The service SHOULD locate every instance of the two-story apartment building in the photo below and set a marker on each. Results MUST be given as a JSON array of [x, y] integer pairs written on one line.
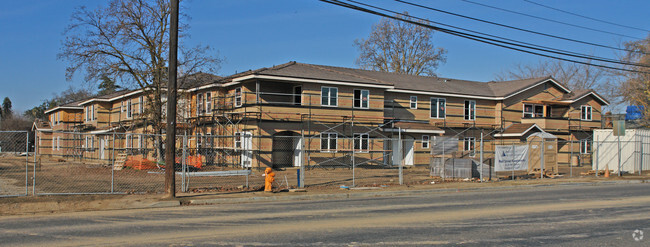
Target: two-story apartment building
[[344, 115]]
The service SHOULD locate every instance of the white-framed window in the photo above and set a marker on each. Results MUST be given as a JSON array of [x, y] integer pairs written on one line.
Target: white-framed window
[[470, 110], [141, 105], [414, 102], [438, 107], [53, 143], [87, 142], [329, 96], [468, 145], [238, 97], [238, 140], [585, 112], [122, 107], [328, 141], [585, 146], [87, 109], [52, 119], [532, 110], [127, 143], [199, 104], [129, 108], [425, 141], [139, 141], [297, 95], [208, 102], [58, 143], [361, 98], [361, 142]]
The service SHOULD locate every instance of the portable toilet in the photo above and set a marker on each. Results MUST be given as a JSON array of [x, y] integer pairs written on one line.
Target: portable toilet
[[542, 142]]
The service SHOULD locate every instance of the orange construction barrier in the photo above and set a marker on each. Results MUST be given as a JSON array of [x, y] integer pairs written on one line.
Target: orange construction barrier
[[138, 163]]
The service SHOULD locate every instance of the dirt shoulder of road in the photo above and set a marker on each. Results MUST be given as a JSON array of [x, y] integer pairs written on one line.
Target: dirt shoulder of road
[[35, 205]]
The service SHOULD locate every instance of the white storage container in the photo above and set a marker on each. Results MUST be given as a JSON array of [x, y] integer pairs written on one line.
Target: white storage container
[[634, 150]]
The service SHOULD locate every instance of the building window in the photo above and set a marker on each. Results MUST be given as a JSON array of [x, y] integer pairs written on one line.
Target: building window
[[238, 139], [58, 143], [297, 95], [129, 108], [468, 145], [361, 98], [139, 142], [438, 107], [122, 108], [92, 112], [585, 146], [238, 97], [87, 144], [53, 143], [141, 105], [414, 102], [199, 104], [470, 110], [127, 143], [87, 109], [329, 96], [425, 141], [531, 111], [328, 141], [361, 143], [208, 102], [585, 112]]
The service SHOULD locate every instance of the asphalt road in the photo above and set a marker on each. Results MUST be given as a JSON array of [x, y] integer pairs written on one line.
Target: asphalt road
[[575, 215]]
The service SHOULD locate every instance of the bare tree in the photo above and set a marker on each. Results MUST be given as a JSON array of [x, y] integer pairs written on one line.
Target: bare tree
[[400, 47], [128, 40], [575, 76], [635, 86], [69, 95]]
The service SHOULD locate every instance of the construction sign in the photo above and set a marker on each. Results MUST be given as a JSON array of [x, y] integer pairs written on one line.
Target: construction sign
[[511, 158]]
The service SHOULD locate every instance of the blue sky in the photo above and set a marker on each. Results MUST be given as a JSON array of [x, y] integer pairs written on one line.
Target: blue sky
[[251, 34]]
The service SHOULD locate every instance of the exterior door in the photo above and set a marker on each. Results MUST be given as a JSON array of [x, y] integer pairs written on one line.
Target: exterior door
[[297, 152], [247, 149], [102, 147], [408, 151]]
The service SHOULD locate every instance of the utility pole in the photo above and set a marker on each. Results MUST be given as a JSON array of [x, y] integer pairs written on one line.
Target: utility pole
[[170, 144]]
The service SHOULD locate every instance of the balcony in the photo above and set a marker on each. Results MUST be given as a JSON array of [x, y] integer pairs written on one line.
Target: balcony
[[548, 123]]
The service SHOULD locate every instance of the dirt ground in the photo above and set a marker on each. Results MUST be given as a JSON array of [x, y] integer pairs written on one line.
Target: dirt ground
[[65, 176]]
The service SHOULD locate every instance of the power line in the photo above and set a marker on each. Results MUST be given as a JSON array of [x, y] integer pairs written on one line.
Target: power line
[[586, 17], [522, 44], [513, 27], [550, 20], [469, 36]]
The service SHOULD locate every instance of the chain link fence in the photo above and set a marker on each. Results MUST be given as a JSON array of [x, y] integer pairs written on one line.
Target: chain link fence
[[89, 163], [14, 166]]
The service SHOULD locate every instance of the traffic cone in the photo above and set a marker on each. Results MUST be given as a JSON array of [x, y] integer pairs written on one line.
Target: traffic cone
[[606, 171]]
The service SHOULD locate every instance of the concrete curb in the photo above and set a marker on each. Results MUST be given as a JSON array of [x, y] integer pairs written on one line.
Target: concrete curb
[[348, 195]]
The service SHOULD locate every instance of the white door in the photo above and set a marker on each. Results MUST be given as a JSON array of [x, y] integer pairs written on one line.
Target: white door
[[408, 151], [397, 153], [102, 147], [247, 149], [297, 151]]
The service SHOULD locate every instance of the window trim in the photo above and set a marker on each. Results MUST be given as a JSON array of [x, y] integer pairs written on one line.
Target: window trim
[[208, 102], [238, 97], [585, 146], [238, 140], [471, 148], [329, 148], [437, 108], [329, 96], [129, 109], [360, 137], [428, 139], [297, 96], [141, 104], [582, 113], [472, 110], [413, 102], [127, 142], [532, 113], [360, 99]]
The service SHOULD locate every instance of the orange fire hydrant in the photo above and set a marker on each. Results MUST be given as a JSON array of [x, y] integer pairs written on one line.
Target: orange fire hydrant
[[268, 180]]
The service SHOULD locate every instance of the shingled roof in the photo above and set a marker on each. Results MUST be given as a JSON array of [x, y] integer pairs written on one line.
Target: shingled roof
[[398, 81]]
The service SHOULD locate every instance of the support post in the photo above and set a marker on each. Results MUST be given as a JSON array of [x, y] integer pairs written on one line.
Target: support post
[[480, 171], [401, 163], [113, 166], [27, 163], [185, 183], [618, 140], [541, 159], [170, 145]]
